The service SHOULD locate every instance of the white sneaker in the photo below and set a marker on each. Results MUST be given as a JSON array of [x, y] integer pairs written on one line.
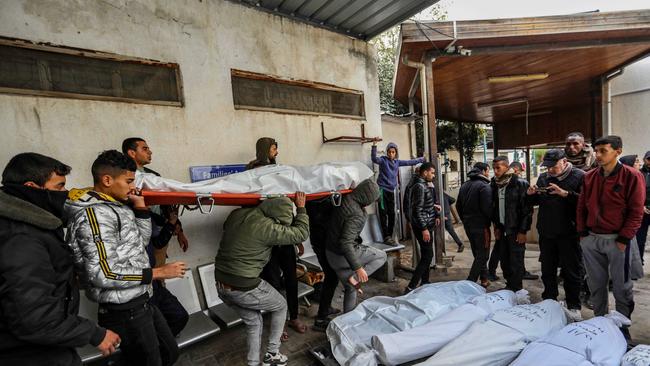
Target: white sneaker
[[277, 359], [574, 315]]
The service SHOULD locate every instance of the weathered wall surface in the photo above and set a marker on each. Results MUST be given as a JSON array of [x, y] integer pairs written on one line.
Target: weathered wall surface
[[631, 107], [207, 39]]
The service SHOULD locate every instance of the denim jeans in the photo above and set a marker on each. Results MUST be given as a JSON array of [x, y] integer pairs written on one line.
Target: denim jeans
[[370, 258], [249, 306], [146, 337]]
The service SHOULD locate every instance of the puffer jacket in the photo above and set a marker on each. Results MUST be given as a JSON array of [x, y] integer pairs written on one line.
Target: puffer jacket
[[348, 220], [109, 241], [39, 300], [423, 212], [250, 233], [518, 213]]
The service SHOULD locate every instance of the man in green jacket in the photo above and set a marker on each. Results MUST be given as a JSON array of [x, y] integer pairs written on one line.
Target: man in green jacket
[[248, 237]]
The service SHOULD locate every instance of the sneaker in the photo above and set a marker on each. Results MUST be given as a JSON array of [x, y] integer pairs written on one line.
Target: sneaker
[[407, 290], [492, 277], [320, 325], [485, 283], [461, 248], [389, 240], [530, 276], [277, 359], [574, 315]]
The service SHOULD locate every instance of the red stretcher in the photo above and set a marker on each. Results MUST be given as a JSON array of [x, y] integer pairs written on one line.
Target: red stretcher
[[226, 199]]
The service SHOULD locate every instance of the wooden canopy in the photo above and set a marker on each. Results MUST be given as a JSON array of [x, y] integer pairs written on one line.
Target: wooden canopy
[[550, 69]]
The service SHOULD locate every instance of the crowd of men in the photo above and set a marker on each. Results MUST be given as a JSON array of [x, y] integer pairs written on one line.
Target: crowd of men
[[592, 222]]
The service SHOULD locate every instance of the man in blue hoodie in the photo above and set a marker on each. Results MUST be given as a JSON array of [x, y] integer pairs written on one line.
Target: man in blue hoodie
[[387, 181]]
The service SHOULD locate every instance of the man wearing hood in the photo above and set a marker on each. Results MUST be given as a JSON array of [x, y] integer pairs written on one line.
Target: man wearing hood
[[387, 181], [266, 151], [512, 217], [579, 153], [39, 298], [557, 193], [642, 234], [109, 227], [474, 206], [280, 271], [352, 261], [249, 234]]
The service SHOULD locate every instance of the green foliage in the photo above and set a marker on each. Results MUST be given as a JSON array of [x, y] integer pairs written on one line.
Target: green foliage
[[386, 45]]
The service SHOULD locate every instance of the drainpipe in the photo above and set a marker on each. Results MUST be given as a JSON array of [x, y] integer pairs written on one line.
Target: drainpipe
[[423, 93], [607, 115]]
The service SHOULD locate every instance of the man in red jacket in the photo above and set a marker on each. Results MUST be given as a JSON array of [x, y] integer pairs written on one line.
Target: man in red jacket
[[610, 209]]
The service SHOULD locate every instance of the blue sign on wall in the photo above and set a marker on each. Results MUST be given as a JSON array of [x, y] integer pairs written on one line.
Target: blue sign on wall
[[205, 172]]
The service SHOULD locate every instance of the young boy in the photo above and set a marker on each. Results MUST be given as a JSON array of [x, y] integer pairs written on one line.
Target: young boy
[[108, 229], [387, 181]]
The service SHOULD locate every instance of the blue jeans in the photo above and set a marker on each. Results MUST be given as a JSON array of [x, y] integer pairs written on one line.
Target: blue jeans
[[249, 306]]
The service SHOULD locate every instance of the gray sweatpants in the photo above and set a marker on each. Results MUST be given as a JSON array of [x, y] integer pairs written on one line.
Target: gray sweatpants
[[602, 258], [370, 258], [249, 306]]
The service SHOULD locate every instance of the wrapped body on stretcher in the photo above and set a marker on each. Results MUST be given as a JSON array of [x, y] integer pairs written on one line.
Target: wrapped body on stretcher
[[249, 186]]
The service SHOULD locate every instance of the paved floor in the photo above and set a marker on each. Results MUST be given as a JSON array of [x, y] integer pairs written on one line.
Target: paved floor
[[229, 347]]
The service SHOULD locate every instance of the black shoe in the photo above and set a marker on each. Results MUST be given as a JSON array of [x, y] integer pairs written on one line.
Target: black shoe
[[320, 325], [492, 277], [461, 248], [628, 338], [407, 290], [530, 276], [333, 311]]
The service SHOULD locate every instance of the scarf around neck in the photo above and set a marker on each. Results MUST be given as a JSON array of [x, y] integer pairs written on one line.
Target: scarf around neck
[[584, 160], [565, 173], [504, 180]]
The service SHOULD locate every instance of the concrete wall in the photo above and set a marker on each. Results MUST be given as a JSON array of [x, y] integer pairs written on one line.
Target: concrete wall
[[630, 108], [206, 38]]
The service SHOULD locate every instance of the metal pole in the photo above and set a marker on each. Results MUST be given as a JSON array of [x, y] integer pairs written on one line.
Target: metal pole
[[485, 147]]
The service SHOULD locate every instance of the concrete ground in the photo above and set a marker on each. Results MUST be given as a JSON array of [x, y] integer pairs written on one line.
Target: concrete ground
[[229, 347]]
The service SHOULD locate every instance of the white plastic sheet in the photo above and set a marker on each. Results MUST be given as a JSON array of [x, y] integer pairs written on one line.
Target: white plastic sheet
[[350, 334], [638, 356], [427, 339], [270, 179], [498, 341], [597, 341]]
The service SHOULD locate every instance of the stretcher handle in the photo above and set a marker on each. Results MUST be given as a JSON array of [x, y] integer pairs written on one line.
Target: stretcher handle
[[337, 198], [207, 197]]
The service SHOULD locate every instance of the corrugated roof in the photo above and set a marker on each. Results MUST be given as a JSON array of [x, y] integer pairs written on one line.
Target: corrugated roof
[[362, 19]]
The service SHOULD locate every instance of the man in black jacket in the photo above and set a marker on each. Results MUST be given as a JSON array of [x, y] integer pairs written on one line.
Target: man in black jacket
[[165, 225], [512, 217], [39, 300], [423, 217], [642, 234], [353, 261], [474, 206], [557, 193]]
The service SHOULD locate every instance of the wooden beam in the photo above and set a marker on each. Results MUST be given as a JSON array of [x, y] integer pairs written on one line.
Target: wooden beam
[[585, 23]]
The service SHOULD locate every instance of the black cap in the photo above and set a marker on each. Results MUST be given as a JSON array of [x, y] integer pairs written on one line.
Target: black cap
[[552, 156], [647, 155]]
